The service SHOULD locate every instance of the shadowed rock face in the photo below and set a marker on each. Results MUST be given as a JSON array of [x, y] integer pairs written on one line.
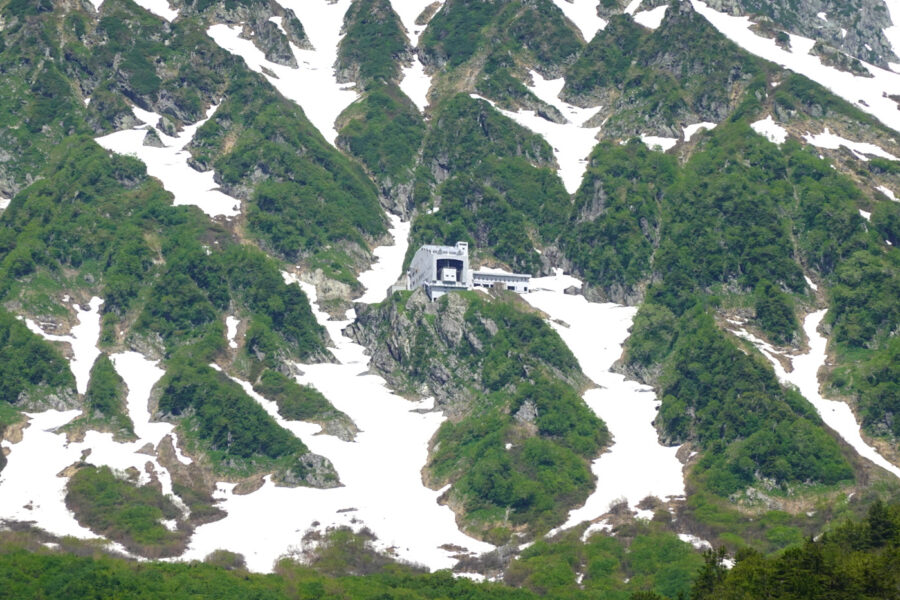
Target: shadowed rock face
[[862, 20]]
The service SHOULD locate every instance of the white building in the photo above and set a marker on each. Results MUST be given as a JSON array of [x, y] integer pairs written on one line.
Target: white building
[[442, 269]]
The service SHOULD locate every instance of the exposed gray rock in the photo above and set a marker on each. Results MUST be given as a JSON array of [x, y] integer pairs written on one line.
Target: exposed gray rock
[[152, 139], [862, 21], [312, 470], [527, 413], [43, 397], [255, 16], [267, 36], [392, 333]]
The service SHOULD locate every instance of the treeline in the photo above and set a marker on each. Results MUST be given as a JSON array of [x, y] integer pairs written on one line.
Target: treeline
[[859, 559]]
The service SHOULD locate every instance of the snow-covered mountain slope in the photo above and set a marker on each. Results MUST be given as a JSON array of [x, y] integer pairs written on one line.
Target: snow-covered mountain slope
[[206, 194]]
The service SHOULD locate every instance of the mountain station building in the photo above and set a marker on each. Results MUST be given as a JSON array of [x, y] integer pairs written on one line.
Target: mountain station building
[[444, 269]]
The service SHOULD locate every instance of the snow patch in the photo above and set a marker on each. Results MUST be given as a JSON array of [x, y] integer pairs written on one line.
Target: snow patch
[[831, 141], [312, 85], [170, 164], [696, 542], [865, 215], [279, 24], [4, 203], [769, 129], [690, 130], [408, 11], [811, 284], [651, 19], [583, 14], [887, 193], [83, 340], [601, 525], [231, 326], [633, 6], [655, 142], [416, 83], [160, 8], [822, 16], [873, 91], [384, 271]]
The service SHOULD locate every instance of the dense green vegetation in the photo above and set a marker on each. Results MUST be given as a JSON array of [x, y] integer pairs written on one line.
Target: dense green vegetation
[[499, 193], [311, 197], [125, 512], [373, 45], [732, 405], [654, 82], [115, 227], [537, 32], [295, 402], [614, 225], [606, 60], [105, 406], [26, 574], [855, 560], [641, 557], [712, 232], [29, 366], [728, 228], [131, 56], [221, 420], [384, 130]]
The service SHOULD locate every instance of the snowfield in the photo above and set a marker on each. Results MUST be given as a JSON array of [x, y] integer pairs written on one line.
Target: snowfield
[[583, 14], [170, 165], [380, 471], [32, 487], [636, 464], [313, 85]]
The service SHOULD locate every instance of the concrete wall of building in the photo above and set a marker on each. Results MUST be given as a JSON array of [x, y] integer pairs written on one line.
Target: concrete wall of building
[[510, 281], [423, 269]]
